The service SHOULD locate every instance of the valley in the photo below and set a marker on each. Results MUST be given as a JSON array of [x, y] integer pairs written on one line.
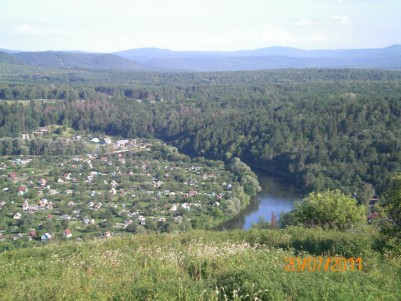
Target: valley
[[120, 185]]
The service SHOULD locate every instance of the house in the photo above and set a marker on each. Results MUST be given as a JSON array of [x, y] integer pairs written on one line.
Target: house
[[178, 219], [25, 205], [142, 220], [95, 140], [12, 176], [17, 216], [65, 217], [32, 234], [128, 222], [106, 234], [22, 190], [32, 208], [71, 204], [121, 143], [44, 131], [46, 237], [67, 233], [106, 140], [192, 193], [372, 216], [25, 136], [43, 202], [42, 183]]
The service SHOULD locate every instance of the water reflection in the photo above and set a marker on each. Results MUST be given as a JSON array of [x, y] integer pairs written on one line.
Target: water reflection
[[278, 195]]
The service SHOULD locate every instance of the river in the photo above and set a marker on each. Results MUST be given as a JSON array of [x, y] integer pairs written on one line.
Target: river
[[278, 195]]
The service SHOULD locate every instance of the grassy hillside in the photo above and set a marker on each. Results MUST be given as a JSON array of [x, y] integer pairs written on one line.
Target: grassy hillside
[[199, 266]]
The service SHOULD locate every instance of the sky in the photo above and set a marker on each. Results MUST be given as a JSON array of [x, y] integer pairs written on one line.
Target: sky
[[114, 25]]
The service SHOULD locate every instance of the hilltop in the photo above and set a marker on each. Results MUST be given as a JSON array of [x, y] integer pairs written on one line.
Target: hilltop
[[235, 265]]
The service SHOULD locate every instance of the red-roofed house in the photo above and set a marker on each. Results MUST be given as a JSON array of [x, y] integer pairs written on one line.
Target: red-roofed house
[[42, 182], [67, 233], [22, 190], [192, 193], [13, 176], [32, 234]]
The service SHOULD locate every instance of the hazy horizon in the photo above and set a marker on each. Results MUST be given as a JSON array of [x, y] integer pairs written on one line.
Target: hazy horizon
[[178, 25], [191, 50]]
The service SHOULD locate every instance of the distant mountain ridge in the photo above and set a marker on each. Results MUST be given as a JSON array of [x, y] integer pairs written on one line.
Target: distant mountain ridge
[[168, 60], [266, 58]]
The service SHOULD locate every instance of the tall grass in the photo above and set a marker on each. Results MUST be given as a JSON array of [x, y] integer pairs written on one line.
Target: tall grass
[[196, 266]]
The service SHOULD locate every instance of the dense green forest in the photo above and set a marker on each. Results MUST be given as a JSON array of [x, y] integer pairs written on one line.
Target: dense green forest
[[325, 128]]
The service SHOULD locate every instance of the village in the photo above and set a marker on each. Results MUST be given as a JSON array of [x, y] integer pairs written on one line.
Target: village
[[136, 186]]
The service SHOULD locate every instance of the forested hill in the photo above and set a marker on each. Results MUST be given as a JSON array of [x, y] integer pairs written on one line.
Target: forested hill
[[8, 59], [58, 59], [325, 128]]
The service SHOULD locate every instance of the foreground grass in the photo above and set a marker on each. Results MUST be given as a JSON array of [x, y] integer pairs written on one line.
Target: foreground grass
[[197, 266]]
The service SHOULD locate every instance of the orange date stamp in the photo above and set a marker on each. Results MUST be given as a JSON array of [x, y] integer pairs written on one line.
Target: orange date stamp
[[317, 264]]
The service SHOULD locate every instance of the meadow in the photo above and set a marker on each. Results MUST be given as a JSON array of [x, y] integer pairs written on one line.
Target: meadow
[[200, 265]]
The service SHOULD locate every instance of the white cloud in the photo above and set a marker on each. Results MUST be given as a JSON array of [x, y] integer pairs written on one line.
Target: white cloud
[[268, 34], [30, 30], [213, 41], [27, 30], [342, 20], [305, 22]]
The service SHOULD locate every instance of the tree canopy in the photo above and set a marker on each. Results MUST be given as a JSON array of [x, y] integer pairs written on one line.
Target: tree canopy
[[391, 226], [329, 209]]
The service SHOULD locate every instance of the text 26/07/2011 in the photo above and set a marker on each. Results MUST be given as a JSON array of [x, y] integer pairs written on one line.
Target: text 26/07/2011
[[316, 264]]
